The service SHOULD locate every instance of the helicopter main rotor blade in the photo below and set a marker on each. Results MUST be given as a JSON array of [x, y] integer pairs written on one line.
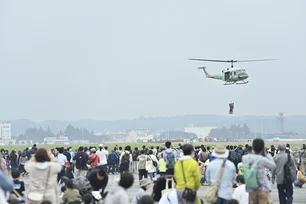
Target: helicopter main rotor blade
[[231, 61], [256, 60], [211, 60]]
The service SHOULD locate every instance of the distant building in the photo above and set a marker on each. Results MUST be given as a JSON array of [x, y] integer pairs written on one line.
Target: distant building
[[201, 132], [56, 140], [5, 131], [139, 135]]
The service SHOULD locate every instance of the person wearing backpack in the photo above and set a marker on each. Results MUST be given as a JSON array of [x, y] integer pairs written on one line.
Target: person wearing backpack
[[81, 160], [285, 173], [256, 181], [170, 158], [125, 160]]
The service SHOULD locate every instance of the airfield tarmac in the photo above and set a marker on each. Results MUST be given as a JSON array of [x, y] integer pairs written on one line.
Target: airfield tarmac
[[298, 196]]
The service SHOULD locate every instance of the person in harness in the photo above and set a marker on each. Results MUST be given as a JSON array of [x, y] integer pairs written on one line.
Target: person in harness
[[231, 108]]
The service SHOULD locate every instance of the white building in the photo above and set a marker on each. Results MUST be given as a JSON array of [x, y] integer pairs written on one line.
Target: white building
[[5, 131], [201, 132], [56, 140], [139, 135]]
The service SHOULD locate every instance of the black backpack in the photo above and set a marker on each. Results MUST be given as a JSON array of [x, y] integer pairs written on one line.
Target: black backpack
[[289, 172], [81, 160]]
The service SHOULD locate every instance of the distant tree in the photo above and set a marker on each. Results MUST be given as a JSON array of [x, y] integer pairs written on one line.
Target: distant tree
[[219, 133]]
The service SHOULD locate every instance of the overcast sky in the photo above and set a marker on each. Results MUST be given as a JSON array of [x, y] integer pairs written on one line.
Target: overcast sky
[[107, 60]]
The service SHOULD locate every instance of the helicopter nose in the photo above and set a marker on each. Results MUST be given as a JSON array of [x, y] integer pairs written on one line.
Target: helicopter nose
[[243, 76]]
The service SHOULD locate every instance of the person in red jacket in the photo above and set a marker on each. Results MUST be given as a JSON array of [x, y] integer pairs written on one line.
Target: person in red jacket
[[94, 159]]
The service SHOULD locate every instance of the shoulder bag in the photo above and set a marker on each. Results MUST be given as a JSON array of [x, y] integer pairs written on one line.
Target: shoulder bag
[[211, 194], [188, 194], [35, 197]]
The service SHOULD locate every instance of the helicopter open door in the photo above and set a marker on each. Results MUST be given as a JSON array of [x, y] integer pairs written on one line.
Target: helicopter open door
[[231, 108], [227, 76]]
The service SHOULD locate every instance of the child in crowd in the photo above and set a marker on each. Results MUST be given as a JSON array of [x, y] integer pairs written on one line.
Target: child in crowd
[[240, 193], [18, 185]]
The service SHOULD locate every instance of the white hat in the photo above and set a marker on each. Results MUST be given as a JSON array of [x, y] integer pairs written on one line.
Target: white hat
[[100, 145], [220, 151], [145, 182]]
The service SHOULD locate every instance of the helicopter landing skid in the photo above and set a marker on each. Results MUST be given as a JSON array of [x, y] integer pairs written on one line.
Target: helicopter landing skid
[[229, 83], [243, 82]]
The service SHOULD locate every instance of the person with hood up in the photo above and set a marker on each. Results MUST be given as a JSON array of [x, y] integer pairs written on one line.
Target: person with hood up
[[43, 169]]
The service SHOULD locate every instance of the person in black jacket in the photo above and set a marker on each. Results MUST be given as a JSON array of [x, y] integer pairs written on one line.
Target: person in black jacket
[[81, 160], [98, 180]]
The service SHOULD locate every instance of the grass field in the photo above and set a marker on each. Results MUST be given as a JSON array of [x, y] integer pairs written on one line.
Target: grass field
[[294, 145]]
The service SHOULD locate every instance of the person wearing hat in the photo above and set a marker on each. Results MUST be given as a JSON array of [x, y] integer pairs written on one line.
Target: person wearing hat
[[145, 184], [94, 159], [220, 153]]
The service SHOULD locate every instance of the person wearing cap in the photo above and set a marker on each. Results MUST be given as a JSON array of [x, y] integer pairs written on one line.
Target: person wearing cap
[[94, 159], [220, 153], [145, 184]]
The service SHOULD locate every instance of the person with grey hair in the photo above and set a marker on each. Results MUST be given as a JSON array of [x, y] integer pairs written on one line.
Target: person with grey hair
[[285, 168]]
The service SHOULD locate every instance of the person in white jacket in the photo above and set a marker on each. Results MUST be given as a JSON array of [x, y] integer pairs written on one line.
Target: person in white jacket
[[151, 168]]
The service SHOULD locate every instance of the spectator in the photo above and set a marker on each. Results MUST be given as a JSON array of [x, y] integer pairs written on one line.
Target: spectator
[[145, 184], [301, 178], [103, 158], [240, 193], [62, 160], [81, 160], [43, 169], [212, 172], [98, 180], [150, 164], [259, 160], [112, 160], [135, 154], [170, 158], [119, 195], [18, 185], [162, 166], [6, 183], [285, 190], [126, 160], [70, 194], [22, 160], [146, 200], [142, 164], [187, 172], [94, 159]]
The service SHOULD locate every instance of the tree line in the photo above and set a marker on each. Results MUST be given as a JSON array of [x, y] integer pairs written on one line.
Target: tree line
[[73, 133]]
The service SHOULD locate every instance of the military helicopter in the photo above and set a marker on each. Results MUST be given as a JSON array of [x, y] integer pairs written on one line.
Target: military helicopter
[[230, 75]]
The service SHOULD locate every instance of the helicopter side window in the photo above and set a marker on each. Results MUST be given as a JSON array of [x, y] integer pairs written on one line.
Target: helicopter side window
[[234, 73]]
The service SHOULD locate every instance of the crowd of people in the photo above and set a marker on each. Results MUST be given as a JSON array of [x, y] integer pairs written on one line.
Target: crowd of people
[[231, 174]]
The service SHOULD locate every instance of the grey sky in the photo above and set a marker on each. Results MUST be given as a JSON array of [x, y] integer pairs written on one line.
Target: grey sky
[[105, 60]]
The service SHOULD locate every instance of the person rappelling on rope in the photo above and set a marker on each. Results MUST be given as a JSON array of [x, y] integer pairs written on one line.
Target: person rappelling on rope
[[231, 108]]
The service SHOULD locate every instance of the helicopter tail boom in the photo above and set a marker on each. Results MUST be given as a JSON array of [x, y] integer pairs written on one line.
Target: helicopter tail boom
[[205, 72]]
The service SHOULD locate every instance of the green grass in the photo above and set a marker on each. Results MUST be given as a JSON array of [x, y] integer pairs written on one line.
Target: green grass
[[294, 145]]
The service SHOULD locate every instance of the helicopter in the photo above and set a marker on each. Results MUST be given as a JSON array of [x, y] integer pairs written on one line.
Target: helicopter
[[230, 75]]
